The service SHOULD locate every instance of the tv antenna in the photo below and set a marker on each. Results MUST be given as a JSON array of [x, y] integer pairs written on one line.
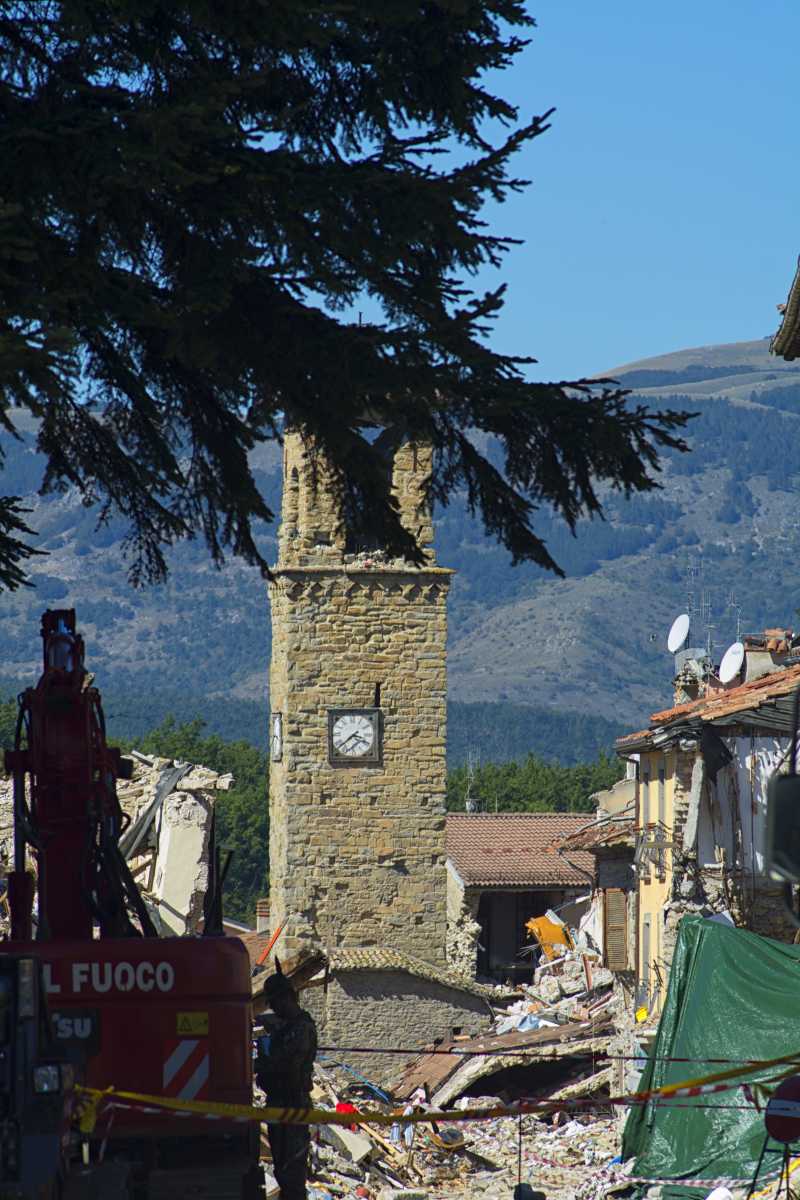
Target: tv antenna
[[693, 574], [471, 803], [735, 607], [706, 609]]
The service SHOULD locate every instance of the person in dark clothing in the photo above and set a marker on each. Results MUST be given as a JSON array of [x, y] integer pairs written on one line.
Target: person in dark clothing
[[284, 1066]]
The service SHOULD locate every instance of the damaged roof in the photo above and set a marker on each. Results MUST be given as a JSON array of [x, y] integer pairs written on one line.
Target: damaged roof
[[382, 958], [515, 849], [765, 703], [307, 965], [611, 831], [437, 1069], [786, 342]]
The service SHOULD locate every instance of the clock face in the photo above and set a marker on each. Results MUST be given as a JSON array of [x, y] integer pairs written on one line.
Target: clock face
[[352, 735]]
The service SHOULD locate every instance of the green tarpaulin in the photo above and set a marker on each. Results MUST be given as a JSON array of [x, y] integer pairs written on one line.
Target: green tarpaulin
[[731, 995]]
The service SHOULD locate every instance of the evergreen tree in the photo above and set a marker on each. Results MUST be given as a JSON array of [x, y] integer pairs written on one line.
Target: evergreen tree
[[8, 724], [533, 785], [194, 201]]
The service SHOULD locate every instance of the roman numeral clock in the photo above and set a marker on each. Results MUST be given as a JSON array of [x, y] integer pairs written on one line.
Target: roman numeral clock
[[358, 696]]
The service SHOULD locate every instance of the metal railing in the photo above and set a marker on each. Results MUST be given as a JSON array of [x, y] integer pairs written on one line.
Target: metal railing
[[650, 854]]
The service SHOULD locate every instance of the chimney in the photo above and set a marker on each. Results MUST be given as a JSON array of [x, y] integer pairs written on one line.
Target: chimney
[[262, 916], [765, 652], [692, 669]]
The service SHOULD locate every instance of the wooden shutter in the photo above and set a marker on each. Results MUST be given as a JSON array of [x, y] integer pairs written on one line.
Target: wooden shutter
[[615, 929]]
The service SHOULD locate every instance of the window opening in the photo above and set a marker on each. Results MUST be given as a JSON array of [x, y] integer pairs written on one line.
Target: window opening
[[645, 790], [386, 442]]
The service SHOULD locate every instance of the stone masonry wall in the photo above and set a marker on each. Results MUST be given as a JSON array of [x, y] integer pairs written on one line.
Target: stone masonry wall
[[463, 929], [394, 1009], [357, 852], [312, 530]]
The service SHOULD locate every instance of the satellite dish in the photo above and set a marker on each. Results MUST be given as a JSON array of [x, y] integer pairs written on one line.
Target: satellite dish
[[731, 663], [678, 633]]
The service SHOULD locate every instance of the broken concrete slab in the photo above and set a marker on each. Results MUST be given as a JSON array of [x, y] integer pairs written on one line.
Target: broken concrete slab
[[584, 1087], [549, 989], [571, 987], [354, 1146]]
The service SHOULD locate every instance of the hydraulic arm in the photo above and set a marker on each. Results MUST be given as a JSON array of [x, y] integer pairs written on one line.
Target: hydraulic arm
[[71, 816]]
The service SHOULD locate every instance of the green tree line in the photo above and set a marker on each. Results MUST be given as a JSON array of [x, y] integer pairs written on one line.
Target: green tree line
[[532, 785], [242, 813], [529, 785]]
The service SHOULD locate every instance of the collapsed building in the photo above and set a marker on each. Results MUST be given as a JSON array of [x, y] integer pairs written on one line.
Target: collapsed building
[[703, 771], [168, 841]]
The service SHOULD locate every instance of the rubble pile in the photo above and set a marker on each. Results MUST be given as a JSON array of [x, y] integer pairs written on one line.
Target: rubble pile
[[571, 988], [561, 1023], [170, 805], [566, 1159]]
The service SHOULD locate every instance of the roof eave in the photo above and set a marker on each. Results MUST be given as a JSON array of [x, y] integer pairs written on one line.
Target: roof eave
[[525, 885], [786, 342]]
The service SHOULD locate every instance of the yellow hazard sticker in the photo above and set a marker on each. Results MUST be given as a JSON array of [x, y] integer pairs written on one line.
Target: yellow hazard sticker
[[193, 1022]]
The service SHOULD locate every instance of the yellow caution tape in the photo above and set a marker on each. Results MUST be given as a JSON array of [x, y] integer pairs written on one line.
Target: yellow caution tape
[[87, 1111], [794, 1165], [250, 1112], [717, 1082], [742, 1071]]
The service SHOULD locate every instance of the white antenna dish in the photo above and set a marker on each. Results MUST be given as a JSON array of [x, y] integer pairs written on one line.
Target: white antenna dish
[[731, 663], [678, 633]]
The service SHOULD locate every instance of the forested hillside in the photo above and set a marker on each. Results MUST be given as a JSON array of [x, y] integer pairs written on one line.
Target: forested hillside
[[535, 663]]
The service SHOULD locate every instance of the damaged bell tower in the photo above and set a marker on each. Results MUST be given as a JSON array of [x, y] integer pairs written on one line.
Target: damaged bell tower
[[357, 724]]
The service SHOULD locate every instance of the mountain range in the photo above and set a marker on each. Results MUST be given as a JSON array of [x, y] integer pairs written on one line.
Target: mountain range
[[535, 663]]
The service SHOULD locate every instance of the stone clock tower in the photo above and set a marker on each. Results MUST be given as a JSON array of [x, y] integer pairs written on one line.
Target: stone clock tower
[[357, 725]]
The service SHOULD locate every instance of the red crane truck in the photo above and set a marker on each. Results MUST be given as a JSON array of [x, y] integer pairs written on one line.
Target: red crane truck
[[160, 1016]]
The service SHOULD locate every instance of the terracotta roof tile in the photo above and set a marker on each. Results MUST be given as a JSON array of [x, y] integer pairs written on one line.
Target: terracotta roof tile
[[633, 737], [618, 831], [732, 700], [723, 703], [255, 944], [515, 849], [383, 958]]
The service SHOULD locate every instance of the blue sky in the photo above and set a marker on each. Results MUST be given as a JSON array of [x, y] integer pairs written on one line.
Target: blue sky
[[663, 211]]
